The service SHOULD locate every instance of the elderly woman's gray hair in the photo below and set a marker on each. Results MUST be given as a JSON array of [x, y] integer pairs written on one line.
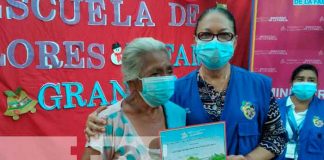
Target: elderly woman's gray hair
[[132, 56]]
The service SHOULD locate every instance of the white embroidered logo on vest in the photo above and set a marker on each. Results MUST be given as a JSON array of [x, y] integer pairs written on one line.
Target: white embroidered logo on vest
[[248, 110], [317, 121]]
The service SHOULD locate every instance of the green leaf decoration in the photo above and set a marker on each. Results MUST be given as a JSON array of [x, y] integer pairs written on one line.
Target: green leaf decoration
[[218, 157], [18, 90], [9, 93], [221, 5]]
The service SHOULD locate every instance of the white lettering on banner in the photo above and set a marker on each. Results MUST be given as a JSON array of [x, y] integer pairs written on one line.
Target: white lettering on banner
[[267, 38], [278, 52], [281, 92], [313, 28], [269, 70], [143, 13], [262, 19], [313, 61], [95, 13], [2, 59], [11, 53], [38, 14], [295, 28], [284, 92], [321, 53], [300, 61], [270, 52], [320, 94], [94, 58], [292, 61], [48, 54], [283, 28], [308, 2], [301, 28], [260, 52], [278, 19], [321, 19], [272, 19], [190, 13], [18, 5], [19, 10]]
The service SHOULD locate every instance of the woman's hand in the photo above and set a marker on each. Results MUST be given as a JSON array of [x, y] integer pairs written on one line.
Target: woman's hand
[[94, 124]]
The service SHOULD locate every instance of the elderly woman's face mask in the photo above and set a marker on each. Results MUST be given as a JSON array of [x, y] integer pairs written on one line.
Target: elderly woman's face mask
[[157, 90]]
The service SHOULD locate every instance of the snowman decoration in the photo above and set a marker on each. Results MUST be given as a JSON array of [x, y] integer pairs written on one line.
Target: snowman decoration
[[116, 56]]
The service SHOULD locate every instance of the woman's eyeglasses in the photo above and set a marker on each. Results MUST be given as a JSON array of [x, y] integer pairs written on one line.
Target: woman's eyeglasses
[[222, 37]]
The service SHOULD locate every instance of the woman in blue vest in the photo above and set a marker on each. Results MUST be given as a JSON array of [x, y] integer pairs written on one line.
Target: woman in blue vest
[[303, 115], [219, 91]]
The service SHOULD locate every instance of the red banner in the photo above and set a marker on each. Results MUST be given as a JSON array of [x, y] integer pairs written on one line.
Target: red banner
[[60, 60], [288, 34]]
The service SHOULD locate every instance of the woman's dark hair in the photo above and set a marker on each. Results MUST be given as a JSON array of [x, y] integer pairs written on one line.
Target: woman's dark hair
[[222, 10], [302, 68]]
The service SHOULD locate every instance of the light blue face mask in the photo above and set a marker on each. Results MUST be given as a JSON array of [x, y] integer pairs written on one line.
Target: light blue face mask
[[304, 90], [157, 90], [214, 54]]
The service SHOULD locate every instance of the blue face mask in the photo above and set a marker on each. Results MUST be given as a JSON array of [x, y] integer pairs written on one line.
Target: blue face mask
[[157, 90], [304, 90], [214, 54]]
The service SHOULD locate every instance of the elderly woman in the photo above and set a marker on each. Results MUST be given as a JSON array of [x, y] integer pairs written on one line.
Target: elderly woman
[[150, 87]]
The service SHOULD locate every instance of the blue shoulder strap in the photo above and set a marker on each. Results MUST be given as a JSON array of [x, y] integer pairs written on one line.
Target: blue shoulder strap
[[175, 115]]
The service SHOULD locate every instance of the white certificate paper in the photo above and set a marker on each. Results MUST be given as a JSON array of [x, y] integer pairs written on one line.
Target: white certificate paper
[[206, 141]]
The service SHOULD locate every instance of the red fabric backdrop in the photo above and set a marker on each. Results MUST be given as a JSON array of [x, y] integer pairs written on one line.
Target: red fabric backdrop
[[15, 70]]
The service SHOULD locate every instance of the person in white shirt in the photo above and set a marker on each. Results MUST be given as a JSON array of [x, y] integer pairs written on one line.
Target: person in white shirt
[[303, 115]]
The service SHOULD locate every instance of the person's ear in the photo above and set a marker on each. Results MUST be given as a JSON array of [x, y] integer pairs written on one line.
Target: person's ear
[[194, 38], [235, 41], [135, 85]]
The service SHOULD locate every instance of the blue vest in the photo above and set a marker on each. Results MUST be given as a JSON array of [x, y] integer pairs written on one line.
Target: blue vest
[[311, 137], [246, 90], [175, 115]]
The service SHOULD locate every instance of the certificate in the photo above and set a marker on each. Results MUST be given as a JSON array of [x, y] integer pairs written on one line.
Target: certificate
[[206, 141]]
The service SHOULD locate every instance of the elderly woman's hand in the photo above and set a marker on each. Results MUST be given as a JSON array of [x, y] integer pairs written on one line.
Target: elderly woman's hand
[[94, 124]]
